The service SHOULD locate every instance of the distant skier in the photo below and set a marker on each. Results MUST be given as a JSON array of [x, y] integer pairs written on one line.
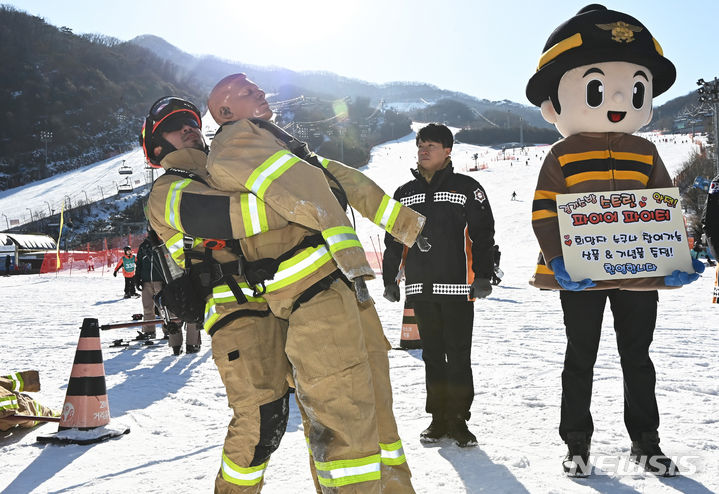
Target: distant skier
[[514, 196], [127, 264]]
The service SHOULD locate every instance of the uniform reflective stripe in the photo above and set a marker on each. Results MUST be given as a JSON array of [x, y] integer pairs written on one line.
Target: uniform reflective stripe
[[172, 203], [9, 403], [176, 248], [387, 213], [241, 476], [299, 266], [211, 315], [341, 237], [344, 472], [17, 382], [324, 161], [392, 454], [268, 171], [254, 214], [223, 294]]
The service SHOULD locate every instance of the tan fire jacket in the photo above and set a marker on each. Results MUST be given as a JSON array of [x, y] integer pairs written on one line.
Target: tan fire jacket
[[591, 162], [245, 158], [12, 401]]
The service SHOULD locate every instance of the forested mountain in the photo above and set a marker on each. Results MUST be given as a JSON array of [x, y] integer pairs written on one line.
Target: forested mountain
[[82, 96]]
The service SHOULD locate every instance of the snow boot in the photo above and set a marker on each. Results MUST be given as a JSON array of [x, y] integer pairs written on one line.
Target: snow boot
[[576, 463], [176, 350], [457, 430], [436, 431], [192, 348], [647, 453]]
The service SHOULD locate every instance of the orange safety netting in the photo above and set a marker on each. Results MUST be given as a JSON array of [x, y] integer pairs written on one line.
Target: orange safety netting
[[100, 257]]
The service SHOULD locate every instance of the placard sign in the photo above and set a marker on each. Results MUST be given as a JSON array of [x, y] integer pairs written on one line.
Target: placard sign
[[623, 234]]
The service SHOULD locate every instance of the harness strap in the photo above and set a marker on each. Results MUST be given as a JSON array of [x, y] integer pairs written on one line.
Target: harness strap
[[232, 316], [320, 287]]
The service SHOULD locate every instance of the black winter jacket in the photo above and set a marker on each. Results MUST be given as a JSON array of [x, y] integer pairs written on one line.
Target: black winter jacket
[[460, 228], [148, 263]]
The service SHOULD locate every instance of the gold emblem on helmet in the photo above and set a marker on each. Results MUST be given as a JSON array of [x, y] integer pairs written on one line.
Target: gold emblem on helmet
[[621, 31]]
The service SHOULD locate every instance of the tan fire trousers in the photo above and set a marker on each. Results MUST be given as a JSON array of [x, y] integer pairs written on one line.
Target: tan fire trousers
[[323, 343]]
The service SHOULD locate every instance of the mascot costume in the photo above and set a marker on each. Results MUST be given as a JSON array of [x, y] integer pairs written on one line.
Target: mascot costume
[[595, 82]]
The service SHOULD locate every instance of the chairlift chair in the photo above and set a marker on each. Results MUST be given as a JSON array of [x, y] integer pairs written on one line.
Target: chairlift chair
[[125, 170]]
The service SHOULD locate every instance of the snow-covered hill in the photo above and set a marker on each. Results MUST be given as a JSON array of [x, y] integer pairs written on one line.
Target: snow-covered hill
[[177, 408]]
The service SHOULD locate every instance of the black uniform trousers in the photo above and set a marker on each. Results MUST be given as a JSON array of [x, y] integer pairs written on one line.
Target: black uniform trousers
[[446, 331], [130, 286], [635, 315]]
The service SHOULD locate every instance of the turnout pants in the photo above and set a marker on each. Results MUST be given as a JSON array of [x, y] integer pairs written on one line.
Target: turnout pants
[[635, 315], [395, 473], [333, 378], [149, 290], [250, 355], [193, 335], [446, 331]]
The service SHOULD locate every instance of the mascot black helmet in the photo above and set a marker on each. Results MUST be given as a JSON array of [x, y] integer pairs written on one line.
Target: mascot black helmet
[[167, 114]]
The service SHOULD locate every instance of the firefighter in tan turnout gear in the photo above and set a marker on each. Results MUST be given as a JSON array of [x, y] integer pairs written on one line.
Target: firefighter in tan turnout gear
[[252, 155], [255, 375]]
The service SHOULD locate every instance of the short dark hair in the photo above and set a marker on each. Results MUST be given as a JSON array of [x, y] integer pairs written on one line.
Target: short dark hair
[[436, 133]]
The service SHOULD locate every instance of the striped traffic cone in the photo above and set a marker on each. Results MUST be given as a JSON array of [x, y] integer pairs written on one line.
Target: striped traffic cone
[[715, 292], [85, 415], [410, 334]]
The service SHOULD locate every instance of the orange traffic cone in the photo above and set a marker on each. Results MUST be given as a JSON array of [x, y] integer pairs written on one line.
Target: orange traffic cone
[[715, 293], [85, 415], [410, 334]]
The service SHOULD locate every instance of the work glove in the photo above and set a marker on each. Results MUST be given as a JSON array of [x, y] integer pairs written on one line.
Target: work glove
[[391, 292], [480, 288], [114, 273], [361, 291], [562, 277], [680, 278], [422, 244]]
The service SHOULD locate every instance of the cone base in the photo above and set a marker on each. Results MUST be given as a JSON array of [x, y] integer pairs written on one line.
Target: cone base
[[77, 436]]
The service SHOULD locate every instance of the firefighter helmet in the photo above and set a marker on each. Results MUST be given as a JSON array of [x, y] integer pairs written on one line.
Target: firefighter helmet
[[166, 115]]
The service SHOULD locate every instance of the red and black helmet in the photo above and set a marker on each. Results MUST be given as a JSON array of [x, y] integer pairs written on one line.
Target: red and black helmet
[[165, 114]]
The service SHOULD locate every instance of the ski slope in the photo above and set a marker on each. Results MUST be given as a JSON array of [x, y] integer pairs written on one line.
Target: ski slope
[[177, 409]]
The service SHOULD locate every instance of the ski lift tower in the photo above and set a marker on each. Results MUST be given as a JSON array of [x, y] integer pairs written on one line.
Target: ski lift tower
[[709, 93]]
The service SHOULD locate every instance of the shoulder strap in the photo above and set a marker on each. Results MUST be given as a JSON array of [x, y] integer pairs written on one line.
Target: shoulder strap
[[185, 173]]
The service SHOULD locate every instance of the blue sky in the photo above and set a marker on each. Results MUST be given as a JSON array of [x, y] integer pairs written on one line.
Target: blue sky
[[484, 48]]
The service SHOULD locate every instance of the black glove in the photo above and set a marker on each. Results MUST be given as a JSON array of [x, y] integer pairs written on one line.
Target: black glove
[[480, 288], [114, 273], [391, 292], [138, 284], [361, 290], [422, 244]]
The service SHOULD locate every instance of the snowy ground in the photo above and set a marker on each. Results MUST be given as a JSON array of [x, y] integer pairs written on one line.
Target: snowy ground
[[177, 410]]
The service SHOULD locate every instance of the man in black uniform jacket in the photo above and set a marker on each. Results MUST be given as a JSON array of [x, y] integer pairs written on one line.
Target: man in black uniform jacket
[[443, 282]]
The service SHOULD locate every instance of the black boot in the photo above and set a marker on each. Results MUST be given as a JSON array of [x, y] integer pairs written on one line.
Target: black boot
[[576, 463], [436, 430], [176, 350], [457, 430], [647, 453], [192, 348], [142, 336]]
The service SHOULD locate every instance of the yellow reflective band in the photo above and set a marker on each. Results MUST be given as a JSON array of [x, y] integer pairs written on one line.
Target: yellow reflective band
[[254, 214], [9, 403], [241, 476], [299, 266], [172, 203], [387, 213], [223, 294], [642, 158], [556, 50], [589, 155], [324, 161], [345, 472], [18, 384], [211, 315], [392, 454], [543, 269], [341, 237], [542, 214], [175, 247], [267, 172], [545, 194]]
